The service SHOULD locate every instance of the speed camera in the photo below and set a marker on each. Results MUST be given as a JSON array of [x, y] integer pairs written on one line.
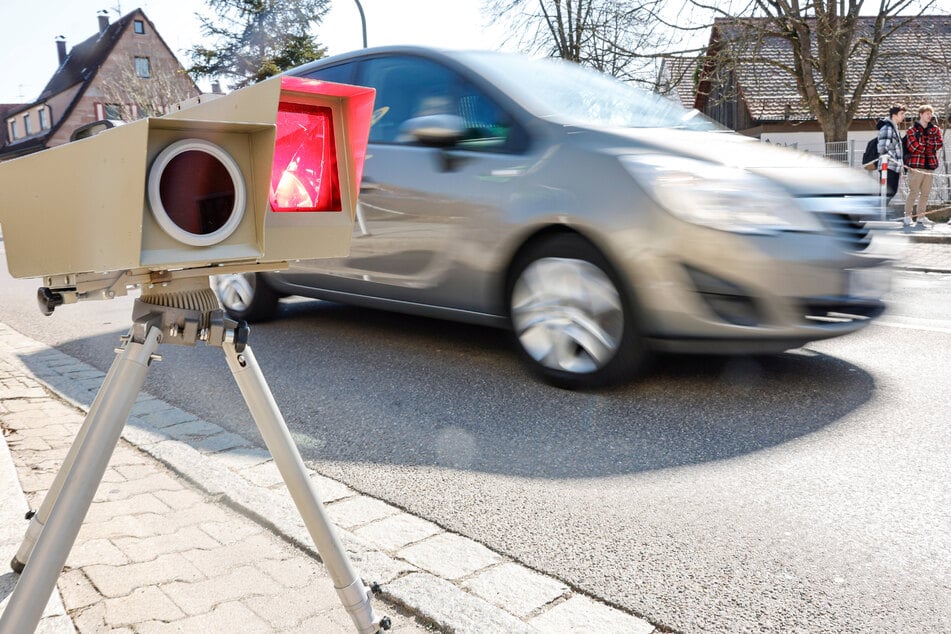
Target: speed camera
[[248, 181]]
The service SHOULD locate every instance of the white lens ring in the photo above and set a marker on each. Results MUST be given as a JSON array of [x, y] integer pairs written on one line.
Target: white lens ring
[[162, 216]]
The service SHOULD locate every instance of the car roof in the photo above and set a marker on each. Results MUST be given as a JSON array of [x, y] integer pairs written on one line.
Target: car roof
[[361, 53]]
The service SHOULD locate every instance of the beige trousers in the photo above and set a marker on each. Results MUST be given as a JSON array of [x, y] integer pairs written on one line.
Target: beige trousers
[[919, 188]]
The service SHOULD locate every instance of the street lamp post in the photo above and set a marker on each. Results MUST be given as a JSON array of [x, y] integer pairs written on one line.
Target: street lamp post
[[363, 22]]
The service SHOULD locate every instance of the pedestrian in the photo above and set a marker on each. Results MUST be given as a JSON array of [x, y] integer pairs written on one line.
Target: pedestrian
[[924, 141], [889, 144]]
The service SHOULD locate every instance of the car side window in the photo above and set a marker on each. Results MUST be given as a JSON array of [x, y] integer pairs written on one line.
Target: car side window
[[487, 125], [341, 73], [408, 87]]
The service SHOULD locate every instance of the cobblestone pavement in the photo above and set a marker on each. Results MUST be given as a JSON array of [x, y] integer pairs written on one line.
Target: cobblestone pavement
[[192, 530], [933, 257], [156, 553]]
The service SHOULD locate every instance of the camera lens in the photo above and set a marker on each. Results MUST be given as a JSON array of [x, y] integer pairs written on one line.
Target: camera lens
[[196, 192]]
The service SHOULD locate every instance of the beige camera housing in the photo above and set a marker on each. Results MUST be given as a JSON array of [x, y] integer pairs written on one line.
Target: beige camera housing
[[95, 207]]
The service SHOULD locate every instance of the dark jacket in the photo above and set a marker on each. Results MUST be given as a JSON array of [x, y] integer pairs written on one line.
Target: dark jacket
[[923, 146]]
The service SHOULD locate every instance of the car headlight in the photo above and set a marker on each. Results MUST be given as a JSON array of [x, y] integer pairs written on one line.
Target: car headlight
[[718, 196]]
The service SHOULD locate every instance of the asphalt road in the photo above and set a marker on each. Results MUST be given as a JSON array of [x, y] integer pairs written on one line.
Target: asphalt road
[[806, 491]]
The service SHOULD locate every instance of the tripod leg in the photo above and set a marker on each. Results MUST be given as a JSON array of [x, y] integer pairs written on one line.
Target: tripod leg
[[39, 519], [353, 594], [90, 460]]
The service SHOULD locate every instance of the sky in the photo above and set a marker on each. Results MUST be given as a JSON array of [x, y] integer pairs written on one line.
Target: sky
[[28, 30]]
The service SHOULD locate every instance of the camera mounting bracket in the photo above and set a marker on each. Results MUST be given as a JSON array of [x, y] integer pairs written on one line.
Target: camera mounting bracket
[[76, 287]]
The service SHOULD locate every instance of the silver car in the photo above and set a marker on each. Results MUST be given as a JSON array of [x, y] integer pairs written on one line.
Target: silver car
[[596, 221]]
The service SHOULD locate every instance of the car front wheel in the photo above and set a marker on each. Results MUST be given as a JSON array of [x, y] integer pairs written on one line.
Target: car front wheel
[[246, 296], [570, 319]]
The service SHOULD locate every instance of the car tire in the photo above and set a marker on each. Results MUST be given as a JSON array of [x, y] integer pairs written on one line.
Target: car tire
[[246, 296], [571, 318]]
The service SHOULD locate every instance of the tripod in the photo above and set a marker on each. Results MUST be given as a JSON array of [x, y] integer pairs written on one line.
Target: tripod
[[182, 312]]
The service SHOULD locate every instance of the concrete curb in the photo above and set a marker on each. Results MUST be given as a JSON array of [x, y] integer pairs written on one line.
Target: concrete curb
[[940, 234], [931, 238], [449, 580]]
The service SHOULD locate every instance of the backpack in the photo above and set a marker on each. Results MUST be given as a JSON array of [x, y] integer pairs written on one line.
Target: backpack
[[904, 148], [870, 156]]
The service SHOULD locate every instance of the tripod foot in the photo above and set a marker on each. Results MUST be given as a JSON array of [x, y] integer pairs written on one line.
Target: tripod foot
[[17, 566]]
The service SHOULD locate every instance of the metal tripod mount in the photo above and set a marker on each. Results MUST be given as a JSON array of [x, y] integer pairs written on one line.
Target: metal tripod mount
[[183, 311]]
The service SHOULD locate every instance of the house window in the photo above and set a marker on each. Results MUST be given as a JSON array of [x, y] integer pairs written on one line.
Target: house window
[[139, 27], [113, 111], [27, 125], [44, 119], [142, 67], [14, 133]]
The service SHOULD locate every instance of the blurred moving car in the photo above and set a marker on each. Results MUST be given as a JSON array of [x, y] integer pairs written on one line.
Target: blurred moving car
[[597, 221]]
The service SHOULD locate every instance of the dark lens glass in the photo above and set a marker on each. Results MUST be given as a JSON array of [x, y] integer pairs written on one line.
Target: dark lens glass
[[197, 192]]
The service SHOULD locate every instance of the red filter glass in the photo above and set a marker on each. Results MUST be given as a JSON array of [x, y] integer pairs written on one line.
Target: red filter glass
[[304, 173]]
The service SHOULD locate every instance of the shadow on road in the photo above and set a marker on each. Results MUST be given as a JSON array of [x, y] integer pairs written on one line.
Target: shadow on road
[[364, 386]]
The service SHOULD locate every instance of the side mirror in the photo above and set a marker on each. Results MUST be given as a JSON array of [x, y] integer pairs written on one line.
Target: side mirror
[[439, 130]]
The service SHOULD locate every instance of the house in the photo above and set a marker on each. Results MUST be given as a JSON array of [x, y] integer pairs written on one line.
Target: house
[[125, 71], [737, 81]]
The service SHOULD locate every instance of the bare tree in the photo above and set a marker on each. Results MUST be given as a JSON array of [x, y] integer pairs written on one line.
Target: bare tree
[[135, 96], [612, 36], [830, 51]]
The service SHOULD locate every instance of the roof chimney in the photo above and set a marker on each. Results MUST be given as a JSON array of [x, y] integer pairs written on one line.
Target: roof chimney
[[103, 21], [61, 48]]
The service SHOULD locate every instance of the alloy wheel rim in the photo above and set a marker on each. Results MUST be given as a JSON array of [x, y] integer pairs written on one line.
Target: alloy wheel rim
[[235, 291], [567, 314]]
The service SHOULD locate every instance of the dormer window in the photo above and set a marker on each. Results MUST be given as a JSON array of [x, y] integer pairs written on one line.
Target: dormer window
[[139, 27], [27, 124]]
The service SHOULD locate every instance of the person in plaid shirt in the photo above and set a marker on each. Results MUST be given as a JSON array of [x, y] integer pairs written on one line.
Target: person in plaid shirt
[[924, 141]]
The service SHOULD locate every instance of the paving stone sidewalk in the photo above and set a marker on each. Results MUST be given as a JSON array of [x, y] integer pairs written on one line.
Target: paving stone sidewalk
[[930, 255], [155, 553], [192, 529]]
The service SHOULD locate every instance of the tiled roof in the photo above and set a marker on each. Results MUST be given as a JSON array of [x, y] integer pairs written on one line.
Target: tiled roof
[[7, 108], [677, 79], [912, 67], [85, 58]]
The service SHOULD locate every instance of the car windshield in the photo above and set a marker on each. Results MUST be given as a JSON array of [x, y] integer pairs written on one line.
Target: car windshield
[[569, 93]]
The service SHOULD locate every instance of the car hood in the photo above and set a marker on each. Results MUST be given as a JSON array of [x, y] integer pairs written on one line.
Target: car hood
[[800, 173]]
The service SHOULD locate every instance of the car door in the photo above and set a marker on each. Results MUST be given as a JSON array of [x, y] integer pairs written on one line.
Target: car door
[[425, 212]]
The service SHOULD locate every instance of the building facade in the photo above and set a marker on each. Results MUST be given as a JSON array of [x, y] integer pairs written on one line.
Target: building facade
[[123, 72]]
